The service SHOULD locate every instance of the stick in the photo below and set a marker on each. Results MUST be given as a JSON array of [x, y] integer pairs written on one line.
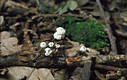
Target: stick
[[62, 15], [86, 70]]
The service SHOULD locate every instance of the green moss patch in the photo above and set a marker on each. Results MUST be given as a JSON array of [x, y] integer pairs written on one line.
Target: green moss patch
[[89, 32]]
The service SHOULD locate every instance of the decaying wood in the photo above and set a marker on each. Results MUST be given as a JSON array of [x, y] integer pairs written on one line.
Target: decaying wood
[[17, 60], [118, 75], [42, 61], [112, 76], [53, 62], [110, 68], [110, 58], [86, 70]]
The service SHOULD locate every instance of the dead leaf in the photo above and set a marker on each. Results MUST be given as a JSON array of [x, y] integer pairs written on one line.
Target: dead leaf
[[9, 45], [41, 74], [5, 35], [18, 73], [60, 75], [72, 51]]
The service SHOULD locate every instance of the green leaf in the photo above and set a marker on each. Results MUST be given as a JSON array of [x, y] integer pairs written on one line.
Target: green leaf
[[83, 2], [63, 10], [72, 5]]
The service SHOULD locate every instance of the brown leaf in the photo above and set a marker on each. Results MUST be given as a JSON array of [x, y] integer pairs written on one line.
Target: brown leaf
[[41, 74], [73, 51], [5, 35], [18, 73], [9, 44]]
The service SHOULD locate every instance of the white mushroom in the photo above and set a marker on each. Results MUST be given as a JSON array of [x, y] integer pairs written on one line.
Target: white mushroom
[[88, 49], [51, 44], [83, 49], [57, 45], [48, 51], [43, 44], [60, 30], [57, 36]]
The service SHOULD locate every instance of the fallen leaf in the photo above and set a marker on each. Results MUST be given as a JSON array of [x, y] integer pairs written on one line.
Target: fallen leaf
[[5, 35], [9, 45], [18, 73], [72, 51], [41, 74], [72, 5]]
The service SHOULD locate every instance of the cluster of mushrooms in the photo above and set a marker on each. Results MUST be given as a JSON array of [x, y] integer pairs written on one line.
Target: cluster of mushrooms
[[58, 35]]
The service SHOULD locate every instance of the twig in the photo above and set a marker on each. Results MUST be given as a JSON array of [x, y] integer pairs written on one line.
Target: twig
[[62, 15], [111, 58], [111, 68], [112, 76], [123, 34], [108, 30], [99, 75]]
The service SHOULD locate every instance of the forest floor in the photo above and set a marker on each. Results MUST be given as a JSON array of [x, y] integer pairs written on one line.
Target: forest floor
[[63, 40]]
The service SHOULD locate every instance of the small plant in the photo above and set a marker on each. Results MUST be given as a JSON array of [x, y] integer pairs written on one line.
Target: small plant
[[90, 32]]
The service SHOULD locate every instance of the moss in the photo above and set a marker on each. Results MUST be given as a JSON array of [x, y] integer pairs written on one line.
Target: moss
[[89, 32]]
